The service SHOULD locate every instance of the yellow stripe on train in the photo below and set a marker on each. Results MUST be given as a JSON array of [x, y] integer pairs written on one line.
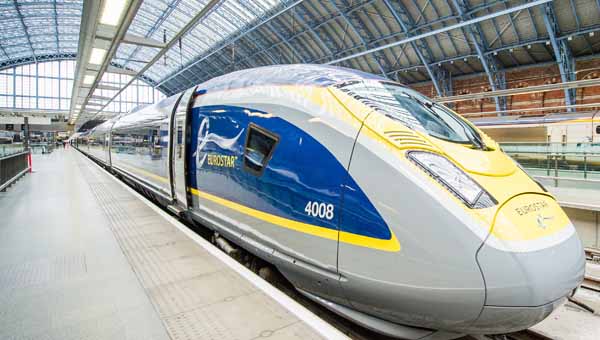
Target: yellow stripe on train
[[391, 245]]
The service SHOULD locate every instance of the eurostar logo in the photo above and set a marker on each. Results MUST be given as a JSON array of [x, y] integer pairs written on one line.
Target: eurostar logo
[[541, 221]]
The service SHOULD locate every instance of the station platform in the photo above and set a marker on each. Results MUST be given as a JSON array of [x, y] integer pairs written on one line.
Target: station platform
[[82, 256], [577, 198]]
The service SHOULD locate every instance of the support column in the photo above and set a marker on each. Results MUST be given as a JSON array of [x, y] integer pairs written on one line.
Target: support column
[[562, 54], [494, 74]]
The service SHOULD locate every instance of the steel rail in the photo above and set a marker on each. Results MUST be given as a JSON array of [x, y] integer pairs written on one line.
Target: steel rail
[[521, 90], [486, 113]]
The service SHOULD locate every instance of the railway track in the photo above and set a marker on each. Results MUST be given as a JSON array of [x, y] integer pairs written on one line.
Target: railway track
[[592, 254], [350, 329], [526, 334]]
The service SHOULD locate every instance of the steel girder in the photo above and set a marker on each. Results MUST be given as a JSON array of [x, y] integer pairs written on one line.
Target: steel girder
[[420, 47], [562, 53], [16, 4], [494, 74], [39, 58]]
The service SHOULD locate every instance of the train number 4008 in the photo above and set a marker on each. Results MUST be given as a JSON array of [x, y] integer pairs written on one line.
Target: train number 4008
[[319, 209]]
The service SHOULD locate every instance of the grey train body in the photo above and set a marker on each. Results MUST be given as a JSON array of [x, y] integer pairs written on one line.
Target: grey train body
[[437, 269]]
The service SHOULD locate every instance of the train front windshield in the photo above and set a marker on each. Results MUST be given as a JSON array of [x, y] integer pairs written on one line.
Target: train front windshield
[[414, 110]]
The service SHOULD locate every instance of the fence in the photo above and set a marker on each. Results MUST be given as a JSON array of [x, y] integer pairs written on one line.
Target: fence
[[12, 166], [576, 163]]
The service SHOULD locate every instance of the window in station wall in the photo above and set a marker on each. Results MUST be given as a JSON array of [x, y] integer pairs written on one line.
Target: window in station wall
[[48, 86]]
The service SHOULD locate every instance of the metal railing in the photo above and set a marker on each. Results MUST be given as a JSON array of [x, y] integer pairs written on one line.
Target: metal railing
[[42, 148], [10, 149], [12, 167], [575, 163], [552, 148]]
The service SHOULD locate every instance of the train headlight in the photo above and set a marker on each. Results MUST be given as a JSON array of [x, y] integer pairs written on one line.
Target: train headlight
[[453, 178]]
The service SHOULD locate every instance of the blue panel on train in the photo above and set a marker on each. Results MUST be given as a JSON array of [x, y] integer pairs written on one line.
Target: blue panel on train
[[300, 171]]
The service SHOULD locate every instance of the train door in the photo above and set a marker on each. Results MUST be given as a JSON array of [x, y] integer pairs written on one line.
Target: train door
[[579, 133], [557, 133], [107, 146], [558, 137], [178, 148], [596, 127]]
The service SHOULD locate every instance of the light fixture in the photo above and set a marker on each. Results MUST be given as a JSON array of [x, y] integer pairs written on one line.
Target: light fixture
[[570, 38], [88, 79], [591, 34], [112, 12], [97, 56], [548, 42], [511, 50], [529, 46], [453, 178], [495, 53]]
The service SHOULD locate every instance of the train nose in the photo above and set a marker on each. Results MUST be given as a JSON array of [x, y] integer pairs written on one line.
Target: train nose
[[530, 261]]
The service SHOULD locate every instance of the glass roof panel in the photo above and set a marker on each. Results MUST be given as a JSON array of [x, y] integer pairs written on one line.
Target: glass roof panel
[[28, 28], [159, 18]]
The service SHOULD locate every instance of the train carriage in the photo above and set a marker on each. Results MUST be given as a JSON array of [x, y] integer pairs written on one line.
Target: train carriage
[[374, 201]]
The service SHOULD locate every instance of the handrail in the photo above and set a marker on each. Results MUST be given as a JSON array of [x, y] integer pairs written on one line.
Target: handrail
[[13, 155], [12, 167]]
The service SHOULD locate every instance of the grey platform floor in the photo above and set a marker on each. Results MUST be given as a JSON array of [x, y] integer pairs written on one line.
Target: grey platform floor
[[81, 257]]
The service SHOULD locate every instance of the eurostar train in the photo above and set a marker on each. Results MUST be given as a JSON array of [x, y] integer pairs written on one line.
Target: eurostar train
[[372, 200], [564, 128]]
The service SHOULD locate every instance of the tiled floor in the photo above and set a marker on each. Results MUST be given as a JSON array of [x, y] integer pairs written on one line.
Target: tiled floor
[[83, 258]]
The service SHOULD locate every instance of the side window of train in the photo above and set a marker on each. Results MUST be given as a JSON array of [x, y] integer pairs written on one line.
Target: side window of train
[[179, 141], [598, 129], [260, 145]]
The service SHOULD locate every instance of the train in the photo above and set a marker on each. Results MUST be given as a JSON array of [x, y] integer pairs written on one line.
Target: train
[[557, 128], [371, 199]]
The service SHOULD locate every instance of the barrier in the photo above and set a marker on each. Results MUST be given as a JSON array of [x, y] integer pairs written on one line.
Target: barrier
[[12, 167]]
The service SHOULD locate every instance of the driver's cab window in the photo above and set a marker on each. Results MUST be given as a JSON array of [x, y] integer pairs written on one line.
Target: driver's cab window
[[260, 145]]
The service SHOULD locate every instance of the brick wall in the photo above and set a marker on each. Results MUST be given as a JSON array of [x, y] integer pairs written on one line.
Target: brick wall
[[535, 75]]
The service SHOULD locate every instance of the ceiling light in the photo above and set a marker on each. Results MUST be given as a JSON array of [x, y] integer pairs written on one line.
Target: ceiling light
[[570, 38], [89, 79], [97, 56], [112, 12], [591, 34]]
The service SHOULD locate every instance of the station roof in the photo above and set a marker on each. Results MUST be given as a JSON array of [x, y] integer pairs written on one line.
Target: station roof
[[320, 31], [436, 39], [34, 31]]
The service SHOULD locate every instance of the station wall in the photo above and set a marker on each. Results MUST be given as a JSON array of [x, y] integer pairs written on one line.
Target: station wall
[[523, 77]]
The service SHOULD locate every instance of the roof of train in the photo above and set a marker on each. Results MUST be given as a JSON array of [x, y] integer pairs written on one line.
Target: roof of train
[[296, 74]]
